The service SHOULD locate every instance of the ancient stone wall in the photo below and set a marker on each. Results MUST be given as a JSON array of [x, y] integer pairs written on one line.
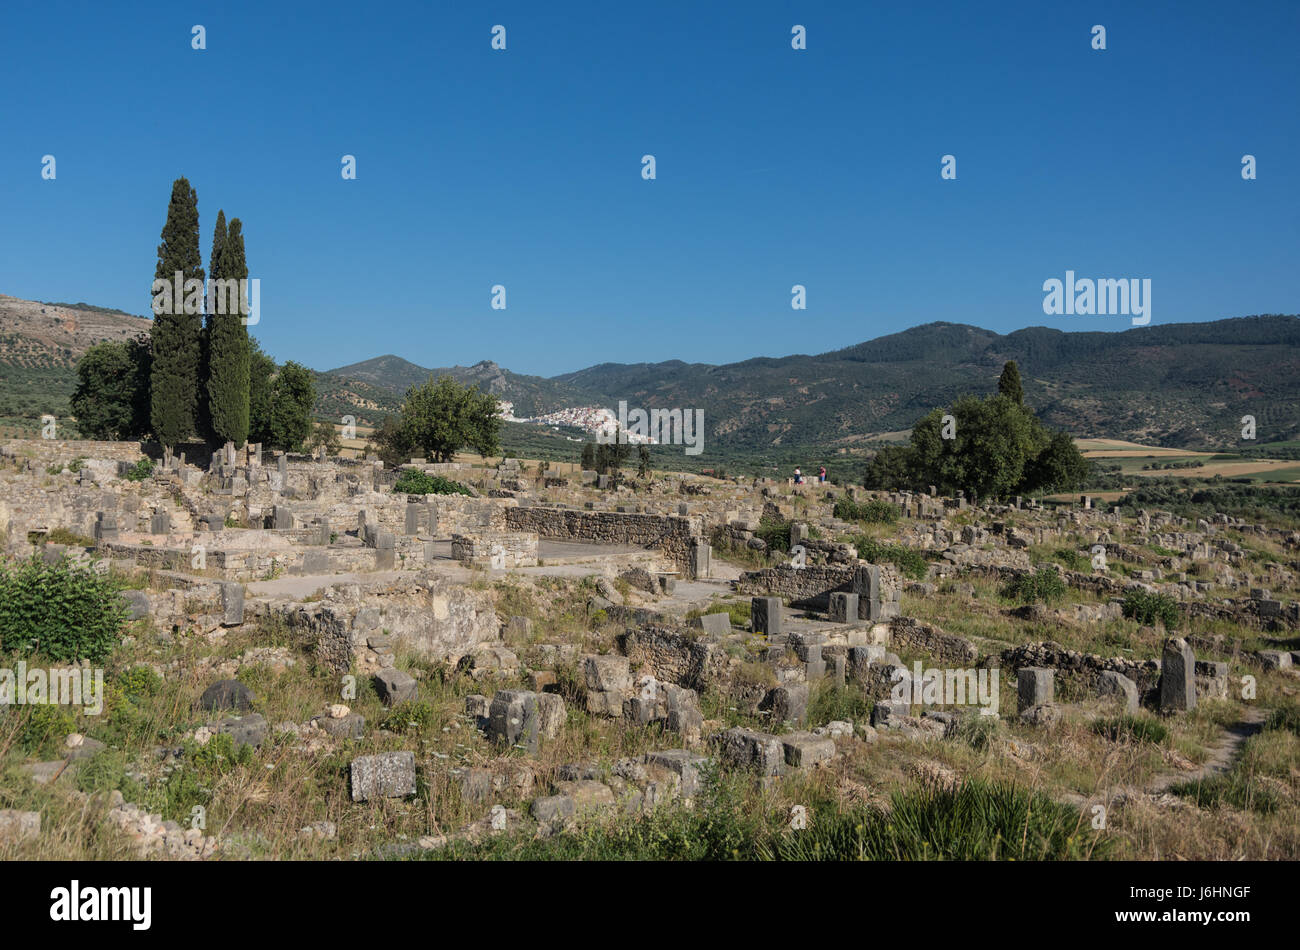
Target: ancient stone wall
[[669, 534]]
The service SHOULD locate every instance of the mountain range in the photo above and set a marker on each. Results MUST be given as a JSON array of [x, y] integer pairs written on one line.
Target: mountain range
[[1183, 385]]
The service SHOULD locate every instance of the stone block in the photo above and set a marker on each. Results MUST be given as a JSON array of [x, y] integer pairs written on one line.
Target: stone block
[[386, 775]]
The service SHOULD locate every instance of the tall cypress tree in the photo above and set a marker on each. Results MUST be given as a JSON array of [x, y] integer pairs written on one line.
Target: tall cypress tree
[[174, 379], [228, 346], [215, 274]]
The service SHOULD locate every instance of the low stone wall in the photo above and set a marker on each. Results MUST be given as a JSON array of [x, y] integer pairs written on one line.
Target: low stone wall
[[810, 587], [458, 514], [505, 550], [670, 534], [907, 633], [432, 616], [1084, 666], [674, 655]]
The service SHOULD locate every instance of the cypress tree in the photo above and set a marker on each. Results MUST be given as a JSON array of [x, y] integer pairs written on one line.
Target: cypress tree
[[174, 379], [228, 348], [1009, 383], [215, 274]]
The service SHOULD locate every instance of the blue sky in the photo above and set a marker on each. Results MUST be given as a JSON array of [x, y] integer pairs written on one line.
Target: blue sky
[[775, 167]]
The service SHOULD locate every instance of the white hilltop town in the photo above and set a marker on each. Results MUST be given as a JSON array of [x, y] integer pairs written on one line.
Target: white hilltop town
[[597, 420]]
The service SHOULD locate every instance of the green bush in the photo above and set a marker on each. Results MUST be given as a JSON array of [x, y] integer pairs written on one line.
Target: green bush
[[414, 482], [908, 560], [874, 511], [140, 471], [775, 532], [1147, 607], [1044, 586], [408, 717], [61, 610]]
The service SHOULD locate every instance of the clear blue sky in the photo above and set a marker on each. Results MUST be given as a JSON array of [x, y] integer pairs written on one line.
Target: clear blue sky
[[775, 167]]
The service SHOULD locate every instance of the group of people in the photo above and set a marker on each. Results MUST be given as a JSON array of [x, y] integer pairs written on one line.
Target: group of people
[[798, 475]]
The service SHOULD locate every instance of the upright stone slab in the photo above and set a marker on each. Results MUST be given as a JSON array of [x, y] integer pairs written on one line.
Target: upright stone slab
[[1177, 676], [1035, 686], [160, 522], [282, 466], [412, 525], [283, 517], [701, 564], [766, 615], [106, 526], [866, 584], [843, 607], [232, 604]]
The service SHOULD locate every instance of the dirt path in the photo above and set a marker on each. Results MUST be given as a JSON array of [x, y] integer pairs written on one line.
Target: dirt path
[[1223, 756]]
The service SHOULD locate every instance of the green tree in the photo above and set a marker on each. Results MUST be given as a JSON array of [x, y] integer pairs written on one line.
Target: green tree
[[893, 469], [441, 417], [174, 378], [293, 394], [111, 400], [261, 370], [588, 456], [1059, 467], [325, 434], [643, 460], [1009, 383], [228, 349]]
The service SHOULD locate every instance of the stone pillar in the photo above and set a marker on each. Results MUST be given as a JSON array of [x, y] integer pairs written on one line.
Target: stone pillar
[[232, 604], [701, 559], [1177, 676], [160, 522], [843, 607], [412, 525], [765, 615], [1035, 686], [866, 584]]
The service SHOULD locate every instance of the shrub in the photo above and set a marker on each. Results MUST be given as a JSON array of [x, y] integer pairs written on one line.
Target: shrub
[[908, 560], [414, 482], [1147, 607], [775, 532], [62, 610], [139, 471], [408, 717], [874, 511], [1044, 586]]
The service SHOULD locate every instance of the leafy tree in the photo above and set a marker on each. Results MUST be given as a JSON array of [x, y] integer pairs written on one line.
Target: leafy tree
[[1059, 467], [325, 434], [112, 396], [174, 377], [441, 417], [292, 396], [893, 469], [262, 370], [228, 348], [1009, 383], [391, 441]]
